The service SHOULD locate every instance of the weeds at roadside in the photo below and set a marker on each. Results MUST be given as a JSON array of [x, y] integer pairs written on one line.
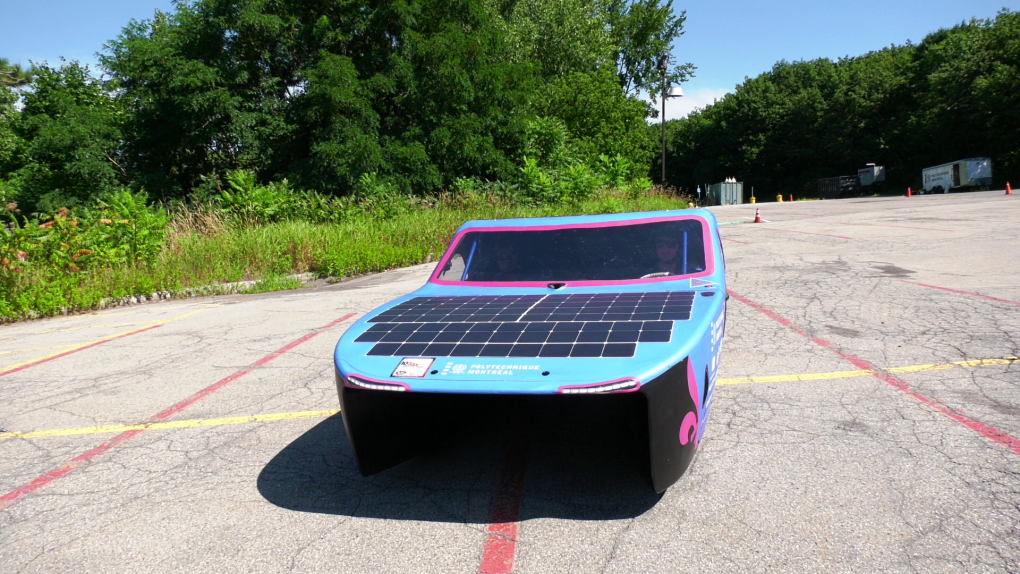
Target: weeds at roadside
[[273, 284], [124, 248]]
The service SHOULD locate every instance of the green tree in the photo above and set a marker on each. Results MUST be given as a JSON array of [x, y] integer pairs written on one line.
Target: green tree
[[601, 119], [12, 78], [71, 129], [560, 36], [642, 31], [954, 95], [419, 91]]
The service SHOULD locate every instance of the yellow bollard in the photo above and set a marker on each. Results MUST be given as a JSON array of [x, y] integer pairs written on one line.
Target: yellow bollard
[[779, 198], [752, 199]]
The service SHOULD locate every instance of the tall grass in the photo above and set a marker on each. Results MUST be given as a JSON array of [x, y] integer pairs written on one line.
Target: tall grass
[[359, 246], [203, 249]]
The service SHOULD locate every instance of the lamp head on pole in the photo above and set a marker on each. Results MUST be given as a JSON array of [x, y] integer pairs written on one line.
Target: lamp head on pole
[[675, 92], [663, 64]]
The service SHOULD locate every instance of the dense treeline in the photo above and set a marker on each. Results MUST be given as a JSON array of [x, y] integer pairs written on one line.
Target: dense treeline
[[245, 140], [411, 95], [954, 95]]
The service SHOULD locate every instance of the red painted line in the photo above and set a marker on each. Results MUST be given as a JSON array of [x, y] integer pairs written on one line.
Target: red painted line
[[958, 292], [900, 226], [735, 241], [163, 415], [501, 540], [809, 233], [88, 456], [76, 462], [991, 433], [72, 351], [768, 313]]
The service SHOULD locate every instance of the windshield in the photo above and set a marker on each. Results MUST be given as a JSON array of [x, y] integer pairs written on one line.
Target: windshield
[[609, 253]]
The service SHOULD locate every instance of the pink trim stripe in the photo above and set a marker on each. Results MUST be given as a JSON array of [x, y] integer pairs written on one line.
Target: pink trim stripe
[[991, 433], [72, 351], [88, 456], [500, 548], [706, 238], [958, 292]]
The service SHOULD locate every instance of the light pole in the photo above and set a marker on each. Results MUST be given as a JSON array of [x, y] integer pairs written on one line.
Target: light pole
[[667, 92]]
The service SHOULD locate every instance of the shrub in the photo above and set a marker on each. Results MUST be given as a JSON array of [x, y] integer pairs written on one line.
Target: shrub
[[638, 188], [130, 230], [615, 170], [252, 203], [579, 182]]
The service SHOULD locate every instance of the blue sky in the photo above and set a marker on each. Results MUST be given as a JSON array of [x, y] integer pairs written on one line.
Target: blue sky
[[726, 39], [730, 39]]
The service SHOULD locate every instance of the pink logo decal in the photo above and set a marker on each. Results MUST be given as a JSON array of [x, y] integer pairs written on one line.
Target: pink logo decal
[[689, 429], [689, 426]]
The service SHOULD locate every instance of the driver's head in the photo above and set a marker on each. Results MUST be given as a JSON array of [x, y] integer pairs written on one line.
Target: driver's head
[[667, 246], [507, 257]]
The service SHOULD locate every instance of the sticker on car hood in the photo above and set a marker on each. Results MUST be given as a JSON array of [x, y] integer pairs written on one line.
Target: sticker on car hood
[[412, 367], [479, 368]]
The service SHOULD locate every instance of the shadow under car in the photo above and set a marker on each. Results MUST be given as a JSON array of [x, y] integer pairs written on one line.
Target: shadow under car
[[581, 462]]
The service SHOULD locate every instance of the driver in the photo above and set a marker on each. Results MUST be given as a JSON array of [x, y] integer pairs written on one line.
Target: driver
[[508, 260], [667, 252]]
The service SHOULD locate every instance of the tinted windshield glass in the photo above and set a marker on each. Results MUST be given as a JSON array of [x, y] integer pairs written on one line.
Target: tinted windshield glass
[[621, 252]]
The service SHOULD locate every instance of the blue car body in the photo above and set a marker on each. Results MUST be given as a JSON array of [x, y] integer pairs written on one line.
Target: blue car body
[[388, 363]]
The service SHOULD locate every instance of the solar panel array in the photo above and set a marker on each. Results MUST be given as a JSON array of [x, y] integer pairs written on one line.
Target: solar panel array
[[576, 325]]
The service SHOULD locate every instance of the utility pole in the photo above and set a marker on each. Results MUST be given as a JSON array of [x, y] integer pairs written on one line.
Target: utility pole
[[667, 92], [663, 64]]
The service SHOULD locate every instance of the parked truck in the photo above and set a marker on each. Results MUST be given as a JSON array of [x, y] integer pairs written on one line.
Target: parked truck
[[836, 187], [871, 178], [961, 174]]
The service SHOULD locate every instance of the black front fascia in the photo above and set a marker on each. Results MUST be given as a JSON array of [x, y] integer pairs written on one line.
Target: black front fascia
[[668, 401], [386, 428]]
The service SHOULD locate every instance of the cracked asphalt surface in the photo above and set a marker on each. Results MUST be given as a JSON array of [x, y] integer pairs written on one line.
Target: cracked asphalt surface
[[912, 471]]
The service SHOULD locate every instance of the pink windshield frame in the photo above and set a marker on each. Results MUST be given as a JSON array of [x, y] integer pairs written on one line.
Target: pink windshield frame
[[706, 238]]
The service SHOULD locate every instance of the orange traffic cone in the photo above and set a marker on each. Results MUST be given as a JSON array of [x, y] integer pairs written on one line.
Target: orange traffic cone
[[908, 192], [791, 198], [757, 215], [1009, 190]]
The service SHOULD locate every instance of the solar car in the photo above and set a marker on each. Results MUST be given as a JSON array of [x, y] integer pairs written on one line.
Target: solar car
[[630, 307]]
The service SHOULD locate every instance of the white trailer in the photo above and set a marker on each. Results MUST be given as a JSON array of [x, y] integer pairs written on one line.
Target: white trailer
[[964, 173], [871, 174]]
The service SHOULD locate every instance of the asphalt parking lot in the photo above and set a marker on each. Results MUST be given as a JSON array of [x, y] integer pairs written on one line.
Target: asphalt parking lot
[[867, 419]]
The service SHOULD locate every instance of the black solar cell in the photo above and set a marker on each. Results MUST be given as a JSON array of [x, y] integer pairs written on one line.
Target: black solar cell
[[555, 351], [533, 337], [577, 325], [525, 350]]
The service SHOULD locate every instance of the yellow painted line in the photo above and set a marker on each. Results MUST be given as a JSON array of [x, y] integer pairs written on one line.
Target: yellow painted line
[[790, 378], [108, 325], [92, 314], [35, 349], [74, 347], [99, 326], [864, 373], [185, 424], [958, 364]]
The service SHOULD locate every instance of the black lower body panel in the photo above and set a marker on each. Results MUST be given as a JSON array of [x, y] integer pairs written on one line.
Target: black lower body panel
[[673, 422], [386, 428]]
